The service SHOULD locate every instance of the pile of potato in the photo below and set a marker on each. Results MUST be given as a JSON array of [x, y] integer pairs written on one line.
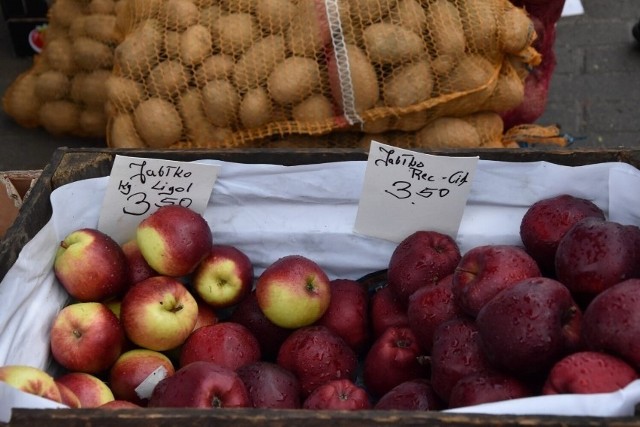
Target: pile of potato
[[65, 90]]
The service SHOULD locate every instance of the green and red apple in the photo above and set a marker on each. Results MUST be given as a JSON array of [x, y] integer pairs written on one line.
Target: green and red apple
[[31, 380], [90, 390], [132, 368]]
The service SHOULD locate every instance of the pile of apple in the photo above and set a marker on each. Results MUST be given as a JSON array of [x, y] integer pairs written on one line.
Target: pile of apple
[[172, 319]]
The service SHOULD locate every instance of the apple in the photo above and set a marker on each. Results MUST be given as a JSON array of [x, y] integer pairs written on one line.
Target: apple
[[227, 344], [138, 268], [132, 368], [68, 397], [348, 313], [86, 337], [412, 395], [31, 380], [421, 259], [174, 240], [338, 395], [486, 270], [293, 291], [525, 329], [595, 255], [158, 313], [385, 310], [394, 357], [486, 387], [546, 222], [90, 265], [270, 385], [269, 335], [206, 315], [589, 372], [119, 404], [90, 390], [315, 355], [611, 322], [201, 385], [224, 277]]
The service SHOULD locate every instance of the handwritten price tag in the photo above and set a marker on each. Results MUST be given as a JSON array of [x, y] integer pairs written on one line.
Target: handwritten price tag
[[139, 186], [406, 191]]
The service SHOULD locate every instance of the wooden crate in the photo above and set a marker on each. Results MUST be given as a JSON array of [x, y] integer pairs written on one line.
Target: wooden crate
[[69, 165]]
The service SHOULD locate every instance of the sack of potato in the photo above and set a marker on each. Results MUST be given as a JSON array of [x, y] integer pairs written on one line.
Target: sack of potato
[[64, 91], [228, 73]]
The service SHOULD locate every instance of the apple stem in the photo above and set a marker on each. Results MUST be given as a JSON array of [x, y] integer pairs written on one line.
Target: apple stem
[[216, 402], [63, 245], [77, 333], [177, 308]]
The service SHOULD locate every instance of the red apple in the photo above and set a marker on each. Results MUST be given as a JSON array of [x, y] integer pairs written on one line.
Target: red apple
[[174, 239], [589, 372], [224, 277], [338, 395], [486, 270], [91, 266], [69, 398], [315, 355], [138, 267], [206, 315], [132, 368], [394, 357], [158, 313], [385, 310], [270, 385], [348, 313], [547, 221], [227, 344], [412, 395], [421, 259], [201, 385], [31, 380], [91, 390], [525, 329], [86, 337], [486, 387], [293, 292], [119, 404]]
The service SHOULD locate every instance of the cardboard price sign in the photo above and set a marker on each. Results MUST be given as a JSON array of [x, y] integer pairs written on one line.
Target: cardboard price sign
[[405, 191], [138, 187]]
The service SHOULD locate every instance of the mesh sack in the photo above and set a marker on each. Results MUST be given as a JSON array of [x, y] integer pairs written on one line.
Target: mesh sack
[[229, 73], [65, 89]]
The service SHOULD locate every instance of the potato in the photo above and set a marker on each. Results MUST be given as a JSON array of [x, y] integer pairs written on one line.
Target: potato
[[448, 132], [138, 52], [92, 123], [122, 133], [309, 32], [215, 67], [167, 79], [508, 92], [480, 22], [158, 123], [91, 88], [59, 117], [198, 128], [102, 28], [411, 15], [516, 30], [122, 93], [274, 16], [102, 6], [20, 101], [521, 68], [446, 34], [77, 27], [210, 14], [293, 79], [489, 126], [411, 122], [171, 44], [255, 108], [220, 103], [91, 54], [368, 11], [64, 12], [238, 6], [315, 109], [409, 85], [255, 65], [363, 85], [234, 33], [52, 85], [377, 124], [178, 15], [195, 45], [59, 55], [391, 44]]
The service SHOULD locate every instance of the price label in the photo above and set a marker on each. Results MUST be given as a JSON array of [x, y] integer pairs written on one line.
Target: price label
[[405, 191], [139, 186]]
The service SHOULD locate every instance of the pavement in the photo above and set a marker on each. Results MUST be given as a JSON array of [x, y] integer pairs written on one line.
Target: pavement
[[594, 94]]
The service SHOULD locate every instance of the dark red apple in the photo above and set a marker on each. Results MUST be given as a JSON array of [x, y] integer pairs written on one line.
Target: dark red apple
[[138, 267], [525, 329], [394, 357], [339, 395], [201, 385], [421, 259], [270, 385], [547, 221], [412, 395], [486, 387], [611, 322], [348, 313], [315, 355], [227, 344], [486, 270], [385, 310], [429, 307], [589, 372], [595, 255]]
